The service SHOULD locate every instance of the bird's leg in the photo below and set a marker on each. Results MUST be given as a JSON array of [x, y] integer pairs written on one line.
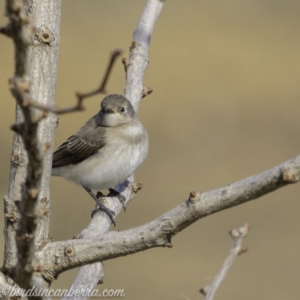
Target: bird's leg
[[102, 207], [99, 195], [121, 198]]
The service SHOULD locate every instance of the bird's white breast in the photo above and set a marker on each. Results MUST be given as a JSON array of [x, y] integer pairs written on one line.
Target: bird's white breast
[[113, 163]]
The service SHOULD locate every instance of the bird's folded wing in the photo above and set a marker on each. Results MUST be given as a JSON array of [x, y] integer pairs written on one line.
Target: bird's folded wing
[[74, 150]]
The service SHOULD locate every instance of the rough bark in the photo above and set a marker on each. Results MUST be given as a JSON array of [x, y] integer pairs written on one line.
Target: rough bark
[[35, 32], [60, 256]]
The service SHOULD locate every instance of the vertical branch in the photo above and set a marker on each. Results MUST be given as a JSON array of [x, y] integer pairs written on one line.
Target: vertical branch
[[138, 61], [35, 32], [135, 67], [20, 31]]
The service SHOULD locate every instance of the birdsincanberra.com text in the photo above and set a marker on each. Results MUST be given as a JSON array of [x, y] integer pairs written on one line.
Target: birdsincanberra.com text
[[12, 291]]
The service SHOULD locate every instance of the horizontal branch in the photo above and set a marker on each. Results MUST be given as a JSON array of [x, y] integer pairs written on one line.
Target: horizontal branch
[[61, 256]]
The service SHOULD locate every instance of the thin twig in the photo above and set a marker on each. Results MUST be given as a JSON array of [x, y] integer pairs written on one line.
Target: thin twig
[[80, 96], [237, 236], [6, 31], [102, 88]]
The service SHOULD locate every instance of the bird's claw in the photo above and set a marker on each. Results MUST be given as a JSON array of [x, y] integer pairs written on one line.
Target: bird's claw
[[121, 198], [99, 195], [107, 211]]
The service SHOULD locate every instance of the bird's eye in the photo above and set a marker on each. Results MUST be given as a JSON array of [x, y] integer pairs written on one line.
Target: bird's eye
[[122, 109]]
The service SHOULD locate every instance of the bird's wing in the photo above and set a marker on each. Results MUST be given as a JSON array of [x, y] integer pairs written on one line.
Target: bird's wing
[[79, 146]]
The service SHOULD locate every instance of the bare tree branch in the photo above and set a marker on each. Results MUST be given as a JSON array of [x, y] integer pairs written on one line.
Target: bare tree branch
[[27, 224], [158, 233], [6, 31], [138, 61], [37, 258], [28, 102], [135, 67], [90, 275], [237, 236], [22, 33], [102, 88]]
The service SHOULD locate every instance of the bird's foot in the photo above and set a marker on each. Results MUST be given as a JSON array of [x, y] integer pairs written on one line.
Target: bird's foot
[[121, 198], [99, 195], [102, 207]]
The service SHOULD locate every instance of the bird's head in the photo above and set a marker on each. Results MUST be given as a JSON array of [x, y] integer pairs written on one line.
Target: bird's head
[[115, 110]]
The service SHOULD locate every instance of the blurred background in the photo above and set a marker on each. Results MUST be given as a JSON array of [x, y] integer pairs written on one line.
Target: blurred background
[[225, 106]]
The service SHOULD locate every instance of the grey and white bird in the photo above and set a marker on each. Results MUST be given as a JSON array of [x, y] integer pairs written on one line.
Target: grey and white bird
[[105, 151]]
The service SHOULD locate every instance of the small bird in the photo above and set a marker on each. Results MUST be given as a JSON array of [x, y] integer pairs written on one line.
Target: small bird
[[105, 151]]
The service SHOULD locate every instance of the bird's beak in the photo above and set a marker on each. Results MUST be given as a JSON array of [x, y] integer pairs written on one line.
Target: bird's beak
[[109, 110]]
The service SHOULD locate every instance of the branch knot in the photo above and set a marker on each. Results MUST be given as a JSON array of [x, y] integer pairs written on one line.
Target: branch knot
[[290, 176], [167, 226], [44, 36]]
